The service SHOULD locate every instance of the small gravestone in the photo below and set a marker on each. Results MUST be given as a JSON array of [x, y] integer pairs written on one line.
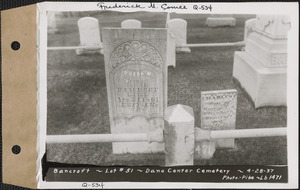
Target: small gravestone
[[136, 77], [218, 112], [51, 19], [220, 20], [89, 34], [178, 28], [131, 23]]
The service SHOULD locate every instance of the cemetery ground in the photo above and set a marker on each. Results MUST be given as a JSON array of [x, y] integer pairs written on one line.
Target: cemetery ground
[[78, 104]]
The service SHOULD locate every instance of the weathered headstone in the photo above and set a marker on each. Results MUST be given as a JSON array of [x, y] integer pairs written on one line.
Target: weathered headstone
[[220, 20], [89, 34], [179, 135], [51, 19], [131, 23], [178, 28], [218, 112], [136, 77], [262, 68]]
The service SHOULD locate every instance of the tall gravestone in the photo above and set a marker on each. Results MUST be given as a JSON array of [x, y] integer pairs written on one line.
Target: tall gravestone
[[220, 20], [218, 112], [136, 77], [51, 19], [178, 28], [249, 25], [89, 33], [262, 68], [131, 23]]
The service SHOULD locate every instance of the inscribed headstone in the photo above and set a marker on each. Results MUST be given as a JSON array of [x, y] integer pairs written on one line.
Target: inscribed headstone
[[178, 28], [218, 112], [89, 34], [136, 76], [131, 23]]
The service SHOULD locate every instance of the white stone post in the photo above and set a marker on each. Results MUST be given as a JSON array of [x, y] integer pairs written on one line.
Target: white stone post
[[261, 68], [89, 33], [178, 28], [131, 23], [179, 135]]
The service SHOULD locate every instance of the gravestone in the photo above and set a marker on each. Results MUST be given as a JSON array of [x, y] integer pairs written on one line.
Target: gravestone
[[171, 50], [51, 19], [218, 112], [262, 68], [136, 77], [220, 20], [178, 28], [131, 23], [89, 34]]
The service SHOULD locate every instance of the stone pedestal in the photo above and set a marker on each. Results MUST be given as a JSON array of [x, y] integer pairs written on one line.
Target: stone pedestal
[[220, 21], [261, 68]]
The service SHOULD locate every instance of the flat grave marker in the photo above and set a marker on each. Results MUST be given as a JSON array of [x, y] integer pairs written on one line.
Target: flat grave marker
[[136, 77]]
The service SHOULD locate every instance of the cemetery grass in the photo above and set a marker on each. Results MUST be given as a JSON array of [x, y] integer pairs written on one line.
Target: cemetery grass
[[77, 97]]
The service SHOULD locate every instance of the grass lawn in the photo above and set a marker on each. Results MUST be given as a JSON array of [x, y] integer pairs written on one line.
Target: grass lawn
[[77, 97]]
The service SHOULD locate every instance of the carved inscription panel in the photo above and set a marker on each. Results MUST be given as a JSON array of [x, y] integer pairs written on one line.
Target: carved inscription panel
[[218, 109]]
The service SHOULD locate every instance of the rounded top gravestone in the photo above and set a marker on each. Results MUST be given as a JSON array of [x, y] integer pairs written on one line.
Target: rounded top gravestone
[[131, 23], [89, 31]]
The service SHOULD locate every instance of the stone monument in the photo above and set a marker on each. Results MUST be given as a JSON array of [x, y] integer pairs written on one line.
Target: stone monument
[[218, 112], [249, 25], [89, 34], [136, 77], [220, 20], [178, 28], [131, 23], [261, 68]]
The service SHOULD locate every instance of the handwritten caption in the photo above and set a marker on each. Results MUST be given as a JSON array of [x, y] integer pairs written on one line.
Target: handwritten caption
[[225, 174], [157, 6]]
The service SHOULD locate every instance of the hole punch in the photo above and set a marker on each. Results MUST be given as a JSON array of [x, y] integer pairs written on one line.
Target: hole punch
[[16, 149], [15, 45]]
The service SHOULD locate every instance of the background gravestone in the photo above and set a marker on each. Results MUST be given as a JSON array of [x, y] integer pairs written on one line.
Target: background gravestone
[[218, 112], [136, 77], [220, 20], [89, 34], [131, 23], [178, 28]]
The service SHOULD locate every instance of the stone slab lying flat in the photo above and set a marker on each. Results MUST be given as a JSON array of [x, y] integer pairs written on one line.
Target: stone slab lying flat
[[220, 21]]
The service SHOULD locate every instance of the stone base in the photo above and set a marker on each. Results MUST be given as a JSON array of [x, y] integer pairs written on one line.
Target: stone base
[[89, 51], [220, 21], [266, 86], [183, 50]]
